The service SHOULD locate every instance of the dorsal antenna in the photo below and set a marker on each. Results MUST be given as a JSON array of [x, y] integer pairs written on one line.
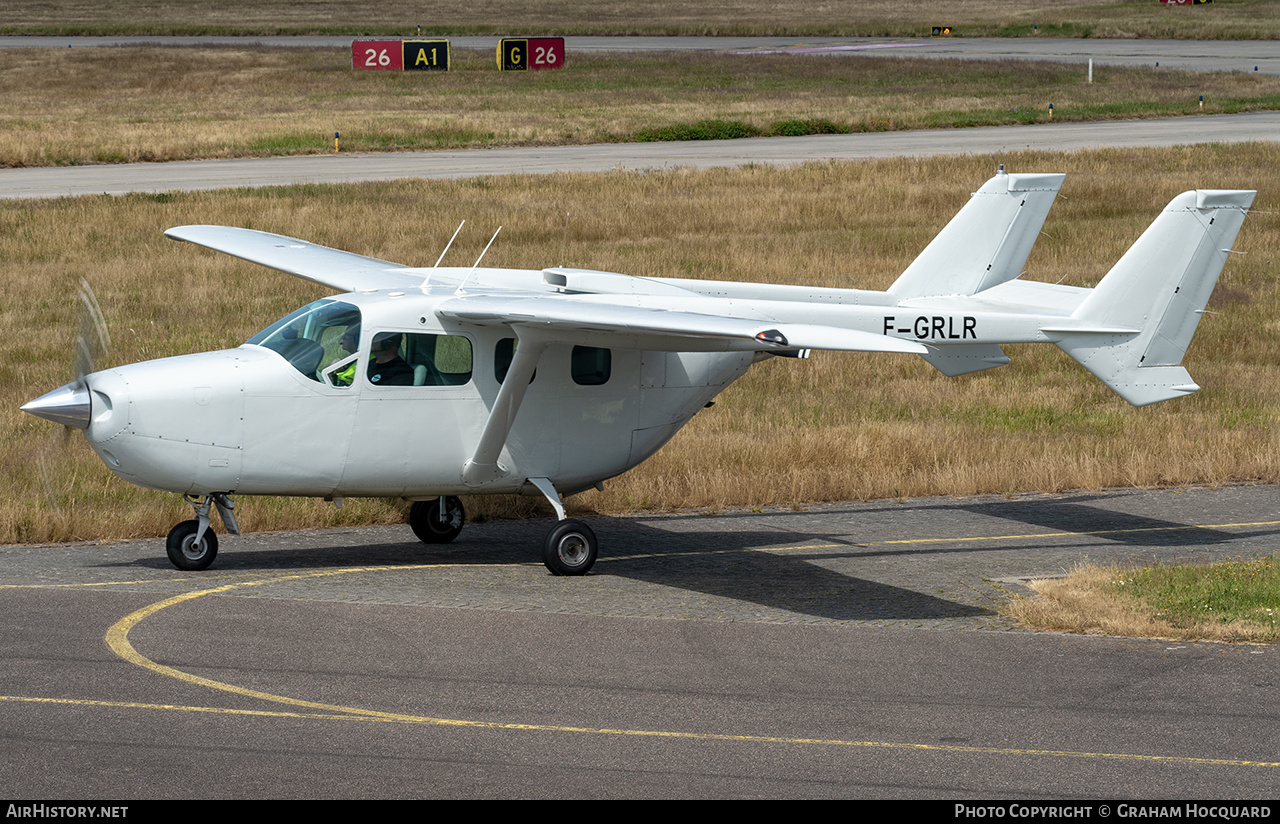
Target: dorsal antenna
[[565, 242], [486, 249], [477, 263], [427, 279], [450, 243]]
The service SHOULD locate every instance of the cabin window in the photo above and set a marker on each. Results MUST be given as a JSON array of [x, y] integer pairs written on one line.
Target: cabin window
[[503, 354], [412, 359], [590, 366], [314, 338]]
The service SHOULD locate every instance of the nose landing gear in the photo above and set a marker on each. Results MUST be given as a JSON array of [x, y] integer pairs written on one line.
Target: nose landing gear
[[192, 545]]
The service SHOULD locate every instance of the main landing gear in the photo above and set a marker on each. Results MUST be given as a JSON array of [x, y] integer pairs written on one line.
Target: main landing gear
[[192, 545], [438, 521], [570, 548]]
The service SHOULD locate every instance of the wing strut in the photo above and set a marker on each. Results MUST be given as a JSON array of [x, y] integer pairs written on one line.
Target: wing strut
[[483, 465]]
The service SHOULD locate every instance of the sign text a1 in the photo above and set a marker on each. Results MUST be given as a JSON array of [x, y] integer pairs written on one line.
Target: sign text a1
[[400, 55]]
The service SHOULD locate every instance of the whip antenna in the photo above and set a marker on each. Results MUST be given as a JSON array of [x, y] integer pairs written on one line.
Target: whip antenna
[[477, 263], [450, 243], [565, 241], [427, 279]]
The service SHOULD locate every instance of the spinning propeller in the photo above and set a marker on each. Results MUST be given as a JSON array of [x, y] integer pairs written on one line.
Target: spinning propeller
[[69, 405]]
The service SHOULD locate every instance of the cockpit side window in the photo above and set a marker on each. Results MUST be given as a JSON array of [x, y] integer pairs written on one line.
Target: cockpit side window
[[316, 337]]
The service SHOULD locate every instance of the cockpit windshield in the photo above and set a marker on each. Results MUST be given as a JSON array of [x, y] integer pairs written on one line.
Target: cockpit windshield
[[315, 337]]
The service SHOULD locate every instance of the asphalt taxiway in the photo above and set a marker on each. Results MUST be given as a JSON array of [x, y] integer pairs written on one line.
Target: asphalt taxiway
[[849, 650], [1246, 56], [116, 179]]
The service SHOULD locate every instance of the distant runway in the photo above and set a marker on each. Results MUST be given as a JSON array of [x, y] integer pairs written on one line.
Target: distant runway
[[1193, 55], [345, 168]]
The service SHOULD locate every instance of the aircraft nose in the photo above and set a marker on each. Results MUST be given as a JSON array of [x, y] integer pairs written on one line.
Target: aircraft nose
[[67, 405]]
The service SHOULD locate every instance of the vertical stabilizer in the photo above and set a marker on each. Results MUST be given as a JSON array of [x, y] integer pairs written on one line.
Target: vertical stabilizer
[[1136, 325], [986, 243]]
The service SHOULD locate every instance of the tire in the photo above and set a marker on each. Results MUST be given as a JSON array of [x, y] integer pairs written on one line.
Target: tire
[[425, 520], [185, 553], [570, 548]]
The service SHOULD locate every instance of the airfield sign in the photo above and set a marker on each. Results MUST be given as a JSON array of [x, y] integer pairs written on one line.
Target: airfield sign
[[518, 54], [400, 55]]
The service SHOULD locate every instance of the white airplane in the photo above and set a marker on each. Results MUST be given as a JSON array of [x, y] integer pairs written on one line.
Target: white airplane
[[411, 383]]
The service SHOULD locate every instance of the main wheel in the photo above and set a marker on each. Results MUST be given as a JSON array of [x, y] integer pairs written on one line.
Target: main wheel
[[433, 526], [570, 548], [185, 552]]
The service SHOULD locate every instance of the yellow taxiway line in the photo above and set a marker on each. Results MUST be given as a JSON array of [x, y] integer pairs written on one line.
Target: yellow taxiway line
[[117, 639]]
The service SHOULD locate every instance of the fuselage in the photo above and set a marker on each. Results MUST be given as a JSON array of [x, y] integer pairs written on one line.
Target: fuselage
[[264, 419]]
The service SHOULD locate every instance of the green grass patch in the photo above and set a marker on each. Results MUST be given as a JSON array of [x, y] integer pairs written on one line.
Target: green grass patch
[[702, 130], [289, 144], [816, 125], [1032, 418], [1246, 591]]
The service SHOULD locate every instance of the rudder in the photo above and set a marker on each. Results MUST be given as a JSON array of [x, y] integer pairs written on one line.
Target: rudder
[[1133, 329], [987, 242]]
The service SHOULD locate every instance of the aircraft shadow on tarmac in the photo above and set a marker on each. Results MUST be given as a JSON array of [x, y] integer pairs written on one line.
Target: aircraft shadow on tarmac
[[727, 563], [1073, 517], [1120, 527], [722, 564]]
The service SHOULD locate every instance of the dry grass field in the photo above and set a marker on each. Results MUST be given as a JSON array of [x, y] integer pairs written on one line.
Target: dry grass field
[[836, 427], [1238, 19], [106, 105], [1229, 602]]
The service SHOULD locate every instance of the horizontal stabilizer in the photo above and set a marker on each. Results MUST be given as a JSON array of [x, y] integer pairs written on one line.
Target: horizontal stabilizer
[[987, 243], [961, 360]]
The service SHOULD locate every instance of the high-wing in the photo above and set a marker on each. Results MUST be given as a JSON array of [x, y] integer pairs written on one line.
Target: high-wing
[[310, 261], [561, 317], [566, 319]]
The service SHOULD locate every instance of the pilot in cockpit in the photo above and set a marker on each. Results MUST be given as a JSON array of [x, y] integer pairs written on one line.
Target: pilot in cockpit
[[349, 341]]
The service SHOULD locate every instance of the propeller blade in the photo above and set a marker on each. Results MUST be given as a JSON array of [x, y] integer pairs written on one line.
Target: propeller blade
[[93, 341]]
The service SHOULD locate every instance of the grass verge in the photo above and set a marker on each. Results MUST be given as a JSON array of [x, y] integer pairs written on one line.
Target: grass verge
[[109, 105], [1237, 601]]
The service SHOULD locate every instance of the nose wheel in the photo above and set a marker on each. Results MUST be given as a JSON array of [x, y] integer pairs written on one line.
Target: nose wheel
[[189, 552], [192, 545]]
